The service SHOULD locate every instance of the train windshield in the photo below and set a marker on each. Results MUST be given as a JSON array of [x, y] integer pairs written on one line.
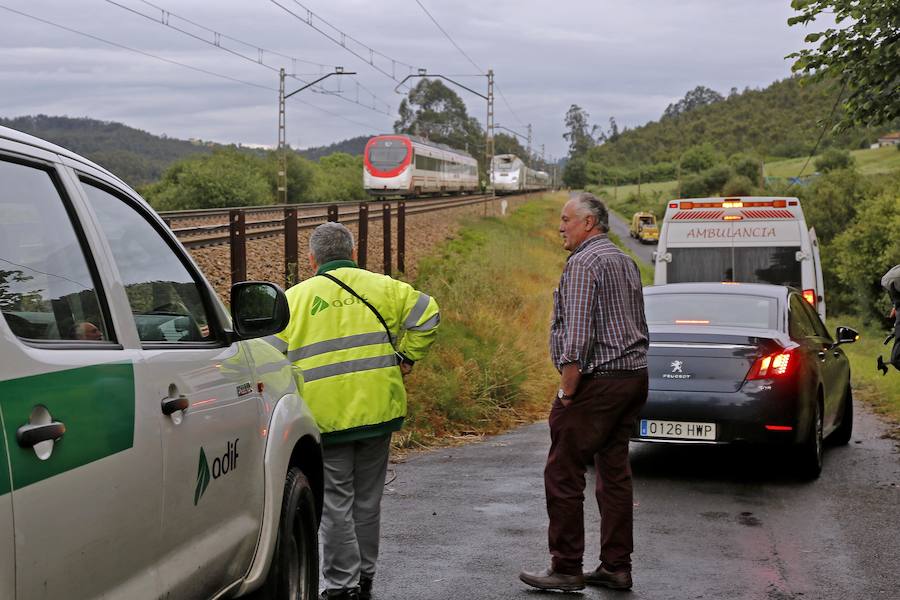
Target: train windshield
[[387, 155], [502, 164]]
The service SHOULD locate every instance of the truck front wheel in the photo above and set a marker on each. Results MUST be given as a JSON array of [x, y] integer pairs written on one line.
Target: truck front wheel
[[294, 574]]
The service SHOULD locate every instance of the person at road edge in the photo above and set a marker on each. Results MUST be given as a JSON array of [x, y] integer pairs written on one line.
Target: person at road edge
[[354, 334], [598, 342]]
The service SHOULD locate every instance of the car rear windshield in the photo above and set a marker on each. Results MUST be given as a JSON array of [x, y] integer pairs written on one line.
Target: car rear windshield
[[712, 310], [770, 264], [387, 155]]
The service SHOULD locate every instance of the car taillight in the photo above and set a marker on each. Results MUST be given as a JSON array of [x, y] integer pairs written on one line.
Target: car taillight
[[777, 364], [810, 296]]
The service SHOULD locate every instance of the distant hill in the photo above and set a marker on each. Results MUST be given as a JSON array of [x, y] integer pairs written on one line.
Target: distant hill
[[136, 156], [782, 120], [354, 146]]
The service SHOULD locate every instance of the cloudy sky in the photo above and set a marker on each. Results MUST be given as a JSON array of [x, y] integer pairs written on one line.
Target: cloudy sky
[[628, 60]]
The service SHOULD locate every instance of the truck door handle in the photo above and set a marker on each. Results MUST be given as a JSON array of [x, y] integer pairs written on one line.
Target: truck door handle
[[173, 405], [29, 436]]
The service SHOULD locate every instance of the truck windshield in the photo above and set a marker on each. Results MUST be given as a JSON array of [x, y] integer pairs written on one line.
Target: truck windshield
[[773, 264], [387, 155]]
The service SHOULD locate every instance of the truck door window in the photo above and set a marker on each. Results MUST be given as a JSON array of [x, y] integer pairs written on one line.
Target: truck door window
[[48, 290], [166, 301]]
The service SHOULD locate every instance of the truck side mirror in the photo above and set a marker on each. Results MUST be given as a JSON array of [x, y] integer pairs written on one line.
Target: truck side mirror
[[258, 309]]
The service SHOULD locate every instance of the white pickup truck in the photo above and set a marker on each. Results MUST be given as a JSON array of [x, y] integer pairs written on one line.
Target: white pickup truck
[[151, 444]]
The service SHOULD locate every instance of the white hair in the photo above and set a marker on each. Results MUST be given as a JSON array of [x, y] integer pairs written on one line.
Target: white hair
[[331, 241], [587, 204]]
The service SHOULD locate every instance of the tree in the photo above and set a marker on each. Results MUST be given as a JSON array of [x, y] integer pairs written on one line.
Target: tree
[[575, 174], [300, 173], [862, 52], [435, 112], [699, 158], [580, 135], [697, 97], [508, 144]]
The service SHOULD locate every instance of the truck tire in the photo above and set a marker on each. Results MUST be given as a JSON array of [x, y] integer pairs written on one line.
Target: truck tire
[[294, 573], [841, 435]]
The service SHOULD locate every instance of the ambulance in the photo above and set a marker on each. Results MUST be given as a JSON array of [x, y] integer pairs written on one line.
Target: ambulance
[[740, 239], [152, 443]]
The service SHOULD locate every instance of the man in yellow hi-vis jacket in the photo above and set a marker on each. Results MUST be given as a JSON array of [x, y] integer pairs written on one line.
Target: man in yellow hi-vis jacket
[[354, 334]]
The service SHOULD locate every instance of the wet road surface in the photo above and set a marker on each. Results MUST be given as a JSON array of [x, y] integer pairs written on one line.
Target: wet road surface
[[620, 227], [714, 523]]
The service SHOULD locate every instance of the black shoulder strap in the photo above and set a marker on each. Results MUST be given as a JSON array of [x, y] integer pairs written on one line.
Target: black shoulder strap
[[364, 301]]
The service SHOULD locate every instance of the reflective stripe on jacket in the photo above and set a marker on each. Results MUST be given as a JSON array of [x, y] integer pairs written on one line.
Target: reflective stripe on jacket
[[352, 381]]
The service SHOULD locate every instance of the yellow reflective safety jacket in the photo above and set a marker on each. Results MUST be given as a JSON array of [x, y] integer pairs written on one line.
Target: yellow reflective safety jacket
[[352, 379]]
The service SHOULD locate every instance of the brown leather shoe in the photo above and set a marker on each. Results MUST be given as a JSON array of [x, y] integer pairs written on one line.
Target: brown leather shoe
[[614, 580], [548, 579]]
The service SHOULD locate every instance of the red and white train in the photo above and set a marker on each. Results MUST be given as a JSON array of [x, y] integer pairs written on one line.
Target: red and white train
[[405, 165]]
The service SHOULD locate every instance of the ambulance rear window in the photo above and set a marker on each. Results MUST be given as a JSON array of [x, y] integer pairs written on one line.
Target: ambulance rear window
[[773, 264]]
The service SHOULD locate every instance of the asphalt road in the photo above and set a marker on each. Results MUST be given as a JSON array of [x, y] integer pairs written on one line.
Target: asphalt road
[[714, 523], [620, 227]]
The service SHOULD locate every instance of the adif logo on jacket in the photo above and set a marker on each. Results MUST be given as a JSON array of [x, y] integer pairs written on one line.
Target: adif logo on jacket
[[318, 305]]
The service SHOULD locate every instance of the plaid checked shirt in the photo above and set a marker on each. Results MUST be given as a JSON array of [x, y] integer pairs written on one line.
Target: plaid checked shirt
[[598, 311]]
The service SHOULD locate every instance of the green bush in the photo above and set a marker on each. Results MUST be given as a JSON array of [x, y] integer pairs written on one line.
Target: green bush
[[833, 160], [746, 165], [225, 178], [700, 158], [738, 185], [867, 249]]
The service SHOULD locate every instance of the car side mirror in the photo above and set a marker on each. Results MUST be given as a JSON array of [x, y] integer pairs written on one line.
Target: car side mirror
[[258, 309], [846, 335]]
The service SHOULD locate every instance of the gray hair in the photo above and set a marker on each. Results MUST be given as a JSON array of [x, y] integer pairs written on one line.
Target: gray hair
[[331, 241], [587, 204]]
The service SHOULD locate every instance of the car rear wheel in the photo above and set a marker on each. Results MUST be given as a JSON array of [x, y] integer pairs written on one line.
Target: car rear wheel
[[809, 454], [841, 435], [294, 574]]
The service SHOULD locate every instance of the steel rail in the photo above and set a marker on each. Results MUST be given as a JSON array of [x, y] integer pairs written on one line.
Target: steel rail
[[202, 213], [275, 227]]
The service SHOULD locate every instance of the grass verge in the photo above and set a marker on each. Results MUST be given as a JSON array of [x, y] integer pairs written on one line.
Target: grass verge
[[882, 392], [489, 369]]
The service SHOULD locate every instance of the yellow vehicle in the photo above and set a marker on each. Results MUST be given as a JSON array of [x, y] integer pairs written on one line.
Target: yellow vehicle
[[644, 228]]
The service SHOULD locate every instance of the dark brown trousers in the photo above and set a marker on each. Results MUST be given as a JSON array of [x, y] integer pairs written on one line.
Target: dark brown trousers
[[596, 428]]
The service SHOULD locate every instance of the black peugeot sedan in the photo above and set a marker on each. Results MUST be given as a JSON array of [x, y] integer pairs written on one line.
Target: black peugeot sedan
[[738, 362]]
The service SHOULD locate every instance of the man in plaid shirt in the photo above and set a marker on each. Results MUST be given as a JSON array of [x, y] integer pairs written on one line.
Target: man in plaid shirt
[[598, 342]]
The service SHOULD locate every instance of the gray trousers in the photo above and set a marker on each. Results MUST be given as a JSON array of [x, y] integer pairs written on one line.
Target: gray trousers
[[351, 519]]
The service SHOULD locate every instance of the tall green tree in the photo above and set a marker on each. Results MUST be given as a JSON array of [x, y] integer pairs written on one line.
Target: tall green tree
[[580, 134], [861, 51], [434, 111], [697, 97], [508, 144]]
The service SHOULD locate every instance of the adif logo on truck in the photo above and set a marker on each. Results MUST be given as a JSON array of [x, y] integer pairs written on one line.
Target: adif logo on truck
[[221, 466]]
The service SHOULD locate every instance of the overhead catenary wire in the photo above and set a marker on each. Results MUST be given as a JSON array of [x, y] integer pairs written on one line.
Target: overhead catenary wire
[[341, 38], [177, 63], [166, 17], [468, 58], [447, 35]]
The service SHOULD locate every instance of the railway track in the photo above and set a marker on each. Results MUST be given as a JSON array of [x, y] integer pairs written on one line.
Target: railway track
[[308, 216]]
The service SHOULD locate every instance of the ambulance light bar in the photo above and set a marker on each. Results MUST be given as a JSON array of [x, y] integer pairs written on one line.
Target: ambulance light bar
[[730, 203]]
